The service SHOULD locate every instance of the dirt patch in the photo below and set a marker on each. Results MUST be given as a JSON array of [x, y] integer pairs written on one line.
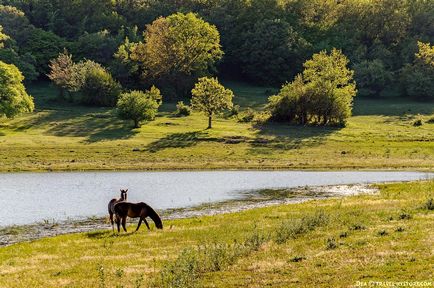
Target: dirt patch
[[253, 199]]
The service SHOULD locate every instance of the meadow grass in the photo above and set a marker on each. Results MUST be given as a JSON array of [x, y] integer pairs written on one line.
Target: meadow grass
[[330, 243], [380, 135]]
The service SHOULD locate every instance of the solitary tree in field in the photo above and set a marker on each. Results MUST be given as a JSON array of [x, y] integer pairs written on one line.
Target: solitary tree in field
[[13, 96], [139, 106], [210, 97]]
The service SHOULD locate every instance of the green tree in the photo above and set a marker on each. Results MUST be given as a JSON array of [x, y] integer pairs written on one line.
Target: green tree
[[98, 88], [3, 37], [210, 97], [372, 77], [178, 47], [65, 74], [418, 77], [13, 96], [44, 46], [322, 94], [139, 106]]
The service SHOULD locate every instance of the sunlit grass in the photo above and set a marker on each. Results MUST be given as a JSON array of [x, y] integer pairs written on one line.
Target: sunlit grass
[[70, 137], [358, 238]]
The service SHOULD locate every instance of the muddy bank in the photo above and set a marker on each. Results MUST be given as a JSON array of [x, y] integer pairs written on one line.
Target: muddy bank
[[253, 199]]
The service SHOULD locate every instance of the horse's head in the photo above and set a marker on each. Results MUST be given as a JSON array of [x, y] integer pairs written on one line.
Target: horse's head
[[124, 194]]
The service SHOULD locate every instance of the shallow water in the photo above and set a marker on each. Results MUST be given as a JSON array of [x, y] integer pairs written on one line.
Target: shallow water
[[35, 197]]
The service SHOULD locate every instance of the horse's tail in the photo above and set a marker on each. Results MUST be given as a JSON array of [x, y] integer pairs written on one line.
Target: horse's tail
[[154, 216]]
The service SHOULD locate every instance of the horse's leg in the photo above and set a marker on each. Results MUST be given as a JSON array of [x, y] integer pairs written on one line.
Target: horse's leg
[[111, 221], [124, 221], [118, 223], [140, 223], [147, 224]]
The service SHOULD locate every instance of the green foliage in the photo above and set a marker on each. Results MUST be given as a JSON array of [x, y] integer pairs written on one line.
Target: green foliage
[[323, 94], [418, 77], [177, 47], [3, 37], [247, 116], [43, 46], [210, 97], [139, 106], [13, 96], [292, 229], [99, 47], [182, 109], [98, 88], [273, 58], [65, 73], [372, 77]]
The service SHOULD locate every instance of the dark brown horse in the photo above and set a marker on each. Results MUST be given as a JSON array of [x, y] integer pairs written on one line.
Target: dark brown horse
[[112, 203], [135, 210]]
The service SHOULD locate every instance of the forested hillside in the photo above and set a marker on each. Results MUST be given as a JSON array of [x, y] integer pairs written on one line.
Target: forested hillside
[[262, 41]]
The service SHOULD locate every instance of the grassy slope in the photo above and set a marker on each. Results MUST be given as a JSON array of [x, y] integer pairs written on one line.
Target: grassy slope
[[62, 137], [398, 255]]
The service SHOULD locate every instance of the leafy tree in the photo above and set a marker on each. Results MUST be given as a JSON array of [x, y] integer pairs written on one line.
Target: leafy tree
[[13, 96], [3, 37], [270, 51], [177, 47], [139, 106], [124, 68], [25, 63], [418, 77], [372, 77], [322, 94], [15, 23], [98, 88], [99, 47], [210, 97], [44, 46], [65, 74]]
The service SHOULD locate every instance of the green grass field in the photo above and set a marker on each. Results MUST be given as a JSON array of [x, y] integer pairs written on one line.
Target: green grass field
[[380, 135], [323, 243]]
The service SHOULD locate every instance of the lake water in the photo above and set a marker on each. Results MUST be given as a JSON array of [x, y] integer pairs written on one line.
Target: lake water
[[34, 197]]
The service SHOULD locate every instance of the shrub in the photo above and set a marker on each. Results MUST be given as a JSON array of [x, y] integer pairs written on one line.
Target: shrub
[[247, 115], [417, 123], [429, 204], [183, 272], [331, 244], [182, 109], [139, 106], [295, 228], [99, 88], [430, 120]]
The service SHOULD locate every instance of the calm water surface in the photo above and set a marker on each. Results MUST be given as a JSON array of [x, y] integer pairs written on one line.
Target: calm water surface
[[34, 197]]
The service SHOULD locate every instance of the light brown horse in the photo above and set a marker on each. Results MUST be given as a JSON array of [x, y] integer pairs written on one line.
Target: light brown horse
[[112, 203], [135, 210]]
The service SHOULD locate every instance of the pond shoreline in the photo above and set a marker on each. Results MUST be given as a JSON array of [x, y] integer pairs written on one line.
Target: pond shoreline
[[263, 198]]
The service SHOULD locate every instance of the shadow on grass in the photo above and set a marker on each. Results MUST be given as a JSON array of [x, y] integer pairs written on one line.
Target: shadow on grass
[[108, 234], [95, 124], [180, 140], [276, 136]]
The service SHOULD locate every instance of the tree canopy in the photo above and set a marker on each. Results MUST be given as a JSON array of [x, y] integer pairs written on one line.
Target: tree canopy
[[322, 94], [139, 106], [13, 96], [210, 97]]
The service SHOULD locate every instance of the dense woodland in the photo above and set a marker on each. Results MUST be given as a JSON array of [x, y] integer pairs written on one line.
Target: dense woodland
[[135, 44]]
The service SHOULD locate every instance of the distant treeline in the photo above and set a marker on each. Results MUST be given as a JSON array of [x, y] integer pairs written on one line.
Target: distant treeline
[[264, 41]]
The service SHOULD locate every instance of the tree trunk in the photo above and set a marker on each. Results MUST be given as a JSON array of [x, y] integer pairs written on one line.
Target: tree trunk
[[209, 122], [136, 123]]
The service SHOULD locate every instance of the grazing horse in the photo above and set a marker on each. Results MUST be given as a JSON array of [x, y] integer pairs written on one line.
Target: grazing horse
[[135, 210], [112, 203]]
